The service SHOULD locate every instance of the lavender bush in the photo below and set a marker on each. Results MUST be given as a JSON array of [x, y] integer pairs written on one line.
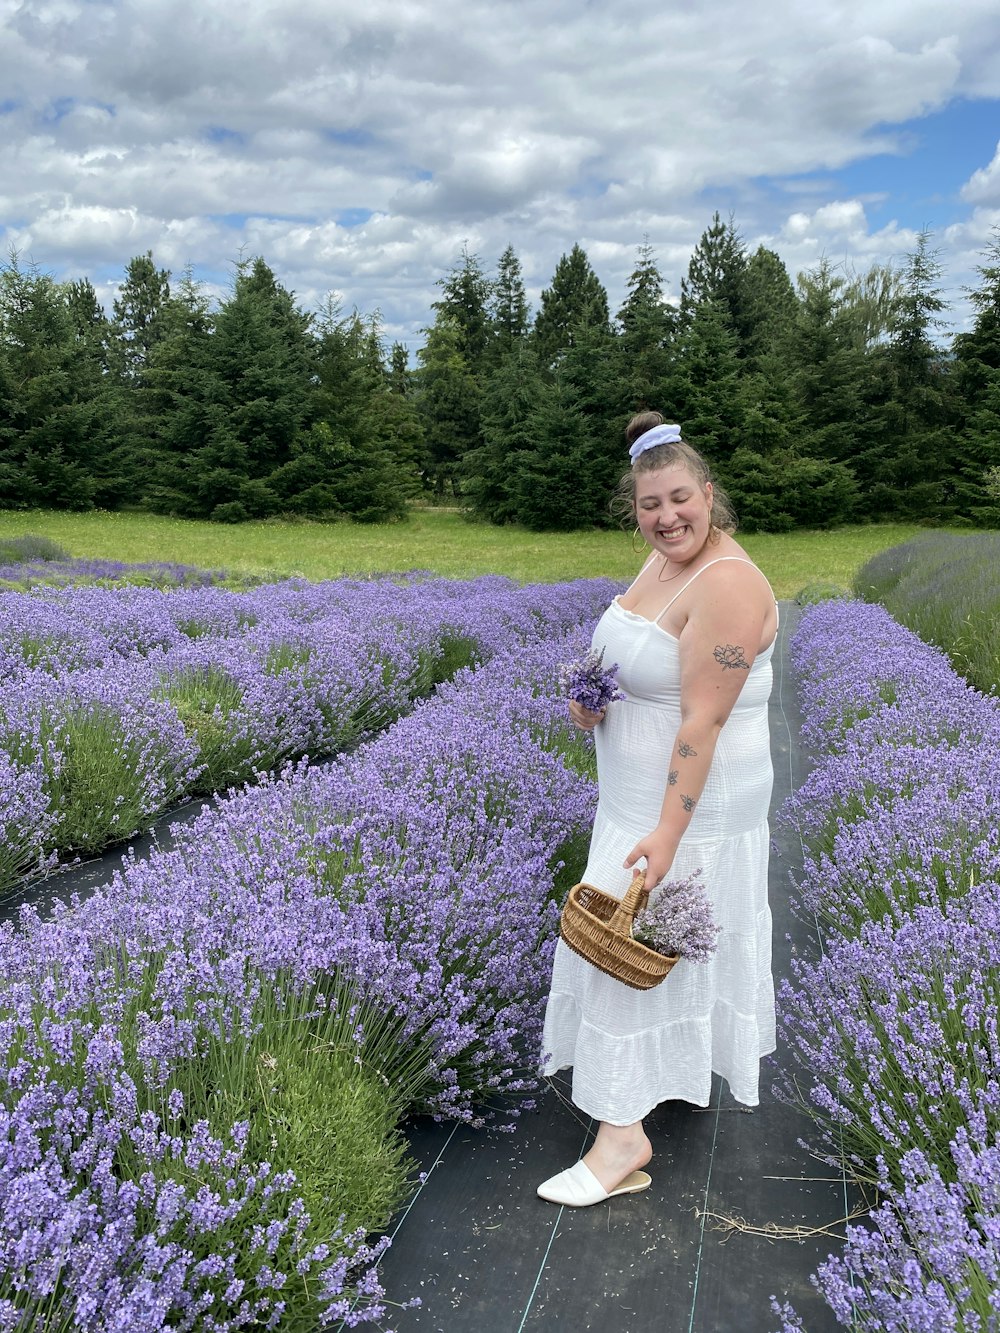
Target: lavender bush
[[943, 586], [895, 1028], [30, 568], [231, 684], [313, 942]]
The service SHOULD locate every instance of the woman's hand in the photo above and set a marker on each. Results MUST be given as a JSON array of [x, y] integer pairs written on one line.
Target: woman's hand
[[658, 849], [583, 717]]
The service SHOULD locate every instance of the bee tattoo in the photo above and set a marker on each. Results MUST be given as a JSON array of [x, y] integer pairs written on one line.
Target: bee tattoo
[[672, 778], [731, 657], [688, 802], [686, 751]]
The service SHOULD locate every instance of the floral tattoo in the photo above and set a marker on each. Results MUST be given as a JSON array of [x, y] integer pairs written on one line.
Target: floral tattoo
[[731, 657]]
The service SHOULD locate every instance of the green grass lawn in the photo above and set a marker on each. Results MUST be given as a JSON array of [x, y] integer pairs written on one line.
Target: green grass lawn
[[440, 540]]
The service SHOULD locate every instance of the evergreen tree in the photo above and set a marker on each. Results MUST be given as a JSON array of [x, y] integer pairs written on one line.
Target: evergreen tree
[[509, 316], [826, 366], [911, 411], [138, 309], [716, 275], [589, 388], [466, 293], [104, 421], [252, 402], [448, 406], [359, 459], [51, 389], [769, 307], [175, 405], [399, 372], [782, 489], [977, 391], [703, 391], [646, 325], [559, 485], [512, 421], [576, 300]]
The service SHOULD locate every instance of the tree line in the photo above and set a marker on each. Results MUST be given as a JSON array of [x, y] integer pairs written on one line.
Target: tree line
[[827, 400]]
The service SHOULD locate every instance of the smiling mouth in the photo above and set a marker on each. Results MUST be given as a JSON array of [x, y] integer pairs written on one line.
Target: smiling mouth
[[670, 534]]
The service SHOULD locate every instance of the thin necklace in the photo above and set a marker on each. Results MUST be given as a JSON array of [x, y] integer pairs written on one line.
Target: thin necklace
[[661, 579]]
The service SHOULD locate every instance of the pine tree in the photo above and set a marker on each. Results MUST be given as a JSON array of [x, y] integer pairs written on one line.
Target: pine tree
[[769, 307], [717, 275], [906, 471], [251, 403], [51, 401], [646, 325], [448, 396], [576, 300], [138, 308], [977, 392], [176, 406], [509, 316], [559, 485], [703, 391], [400, 381], [826, 366], [466, 293], [512, 420], [359, 458]]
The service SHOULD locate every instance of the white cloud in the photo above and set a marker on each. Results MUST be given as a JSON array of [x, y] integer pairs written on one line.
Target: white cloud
[[983, 186], [193, 127]]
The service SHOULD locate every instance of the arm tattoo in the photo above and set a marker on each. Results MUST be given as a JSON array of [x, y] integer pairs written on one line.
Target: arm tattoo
[[731, 657], [688, 802], [673, 776], [686, 751]]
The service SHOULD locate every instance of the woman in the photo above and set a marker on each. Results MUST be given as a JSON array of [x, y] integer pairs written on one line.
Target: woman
[[684, 773]]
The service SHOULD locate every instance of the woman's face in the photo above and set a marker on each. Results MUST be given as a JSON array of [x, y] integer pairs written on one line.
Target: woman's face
[[673, 511]]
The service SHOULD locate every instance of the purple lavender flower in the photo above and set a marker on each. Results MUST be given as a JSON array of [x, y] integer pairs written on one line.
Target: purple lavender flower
[[678, 920], [589, 683]]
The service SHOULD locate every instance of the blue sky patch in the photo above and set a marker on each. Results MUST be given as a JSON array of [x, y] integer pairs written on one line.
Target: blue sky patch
[[353, 138], [219, 134], [352, 217], [919, 186]]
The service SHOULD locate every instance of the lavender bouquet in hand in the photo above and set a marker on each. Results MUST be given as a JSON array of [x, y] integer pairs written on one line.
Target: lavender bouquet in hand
[[678, 920], [587, 682]]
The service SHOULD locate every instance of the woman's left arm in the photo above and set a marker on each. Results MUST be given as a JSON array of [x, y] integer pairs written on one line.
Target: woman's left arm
[[717, 649]]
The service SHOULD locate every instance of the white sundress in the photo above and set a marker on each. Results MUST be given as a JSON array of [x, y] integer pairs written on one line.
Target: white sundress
[[630, 1050]]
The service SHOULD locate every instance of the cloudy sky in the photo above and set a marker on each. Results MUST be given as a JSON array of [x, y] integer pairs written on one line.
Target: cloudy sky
[[359, 144]]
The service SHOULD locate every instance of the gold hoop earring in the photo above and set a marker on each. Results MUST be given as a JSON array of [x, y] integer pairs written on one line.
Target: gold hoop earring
[[638, 549]]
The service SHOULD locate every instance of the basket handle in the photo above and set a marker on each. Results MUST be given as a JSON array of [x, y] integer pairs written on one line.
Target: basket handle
[[631, 904]]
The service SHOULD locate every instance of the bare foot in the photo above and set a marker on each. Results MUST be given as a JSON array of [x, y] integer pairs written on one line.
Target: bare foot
[[617, 1151]]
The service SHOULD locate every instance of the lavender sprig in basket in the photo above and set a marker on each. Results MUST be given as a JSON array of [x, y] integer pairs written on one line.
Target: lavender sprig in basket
[[678, 921], [588, 682]]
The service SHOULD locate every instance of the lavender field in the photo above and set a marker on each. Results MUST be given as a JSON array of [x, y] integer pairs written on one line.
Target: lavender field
[[894, 1029], [120, 701], [208, 1063]]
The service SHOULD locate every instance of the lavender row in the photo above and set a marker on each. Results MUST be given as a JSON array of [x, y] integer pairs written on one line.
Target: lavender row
[[119, 702], [407, 893], [896, 1028], [61, 573]]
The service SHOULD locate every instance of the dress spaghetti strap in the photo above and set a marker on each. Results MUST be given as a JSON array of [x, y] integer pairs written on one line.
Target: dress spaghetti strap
[[645, 565], [717, 561]]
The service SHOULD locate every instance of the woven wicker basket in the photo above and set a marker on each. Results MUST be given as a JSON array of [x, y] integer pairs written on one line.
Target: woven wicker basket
[[599, 928]]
